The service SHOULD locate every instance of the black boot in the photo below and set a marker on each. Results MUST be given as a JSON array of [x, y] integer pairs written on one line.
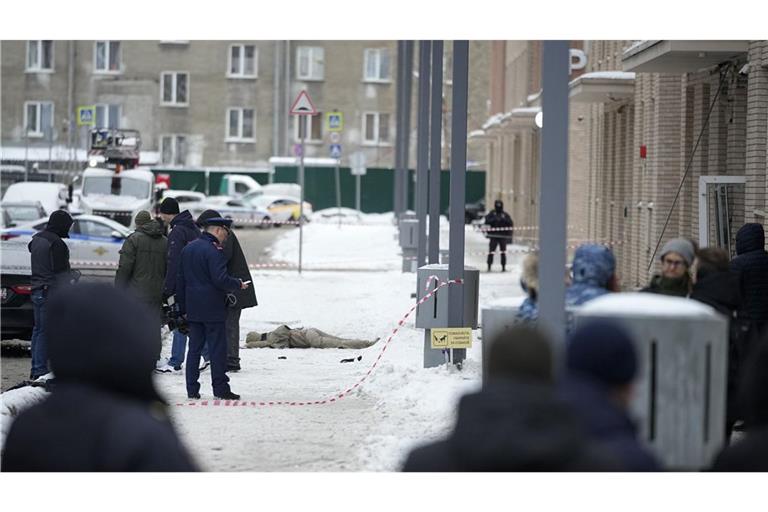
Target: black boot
[[228, 396]]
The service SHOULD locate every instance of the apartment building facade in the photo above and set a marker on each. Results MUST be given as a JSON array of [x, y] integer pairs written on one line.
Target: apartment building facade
[[210, 103]]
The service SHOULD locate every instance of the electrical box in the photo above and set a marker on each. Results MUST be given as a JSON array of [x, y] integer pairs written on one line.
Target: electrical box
[[434, 311], [409, 234]]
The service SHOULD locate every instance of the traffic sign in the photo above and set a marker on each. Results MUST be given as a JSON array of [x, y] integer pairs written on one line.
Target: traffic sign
[[335, 137], [303, 105], [452, 337], [334, 121], [335, 150], [86, 116], [298, 150], [357, 163]]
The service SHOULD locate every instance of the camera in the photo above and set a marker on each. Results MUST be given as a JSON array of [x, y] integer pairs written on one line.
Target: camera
[[172, 317]]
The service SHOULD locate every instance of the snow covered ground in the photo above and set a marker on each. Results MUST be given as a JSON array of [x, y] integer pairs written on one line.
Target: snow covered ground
[[399, 405]]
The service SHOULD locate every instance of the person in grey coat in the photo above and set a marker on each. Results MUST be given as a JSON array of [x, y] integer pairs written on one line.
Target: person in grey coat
[[237, 266]]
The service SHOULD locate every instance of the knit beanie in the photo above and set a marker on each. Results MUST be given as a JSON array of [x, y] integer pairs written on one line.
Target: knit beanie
[[602, 351], [682, 247], [169, 206], [142, 218]]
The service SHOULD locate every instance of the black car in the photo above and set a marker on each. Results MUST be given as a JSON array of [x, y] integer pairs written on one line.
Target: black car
[[17, 309], [472, 211]]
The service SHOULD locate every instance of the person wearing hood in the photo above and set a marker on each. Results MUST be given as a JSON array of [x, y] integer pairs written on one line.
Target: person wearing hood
[[529, 282], [49, 258], [237, 266], [516, 422], [203, 285], [593, 274], [601, 366], [751, 262], [104, 413], [501, 224], [182, 231], [675, 278], [142, 262]]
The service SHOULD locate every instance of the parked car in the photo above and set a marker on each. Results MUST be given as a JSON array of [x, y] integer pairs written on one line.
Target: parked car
[[242, 213], [184, 196], [52, 196], [472, 211], [93, 242], [282, 208], [21, 212]]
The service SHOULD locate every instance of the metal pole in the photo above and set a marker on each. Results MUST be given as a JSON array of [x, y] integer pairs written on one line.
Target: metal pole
[[338, 189], [302, 129], [408, 80], [436, 114], [357, 193], [399, 128], [422, 153], [50, 153], [26, 154], [553, 186], [458, 187]]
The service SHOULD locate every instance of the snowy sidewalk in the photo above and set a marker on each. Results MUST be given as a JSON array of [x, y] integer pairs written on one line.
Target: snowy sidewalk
[[399, 405]]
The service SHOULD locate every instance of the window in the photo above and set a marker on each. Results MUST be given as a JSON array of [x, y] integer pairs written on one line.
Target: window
[[315, 132], [107, 58], [174, 88], [311, 63], [38, 118], [91, 228], [173, 149], [39, 55], [243, 61], [376, 128], [240, 123], [107, 116], [376, 65]]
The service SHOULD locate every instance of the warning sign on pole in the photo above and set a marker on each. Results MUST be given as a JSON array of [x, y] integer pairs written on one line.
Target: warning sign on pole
[[303, 105], [452, 337]]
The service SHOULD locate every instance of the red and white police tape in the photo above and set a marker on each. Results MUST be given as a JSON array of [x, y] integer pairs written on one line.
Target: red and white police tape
[[339, 396]]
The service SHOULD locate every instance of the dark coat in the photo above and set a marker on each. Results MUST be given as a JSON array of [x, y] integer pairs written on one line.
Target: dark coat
[[237, 266], [203, 281], [104, 413], [752, 262], [661, 285], [183, 230], [721, 290], [510, 426], [499, 219], [142, 263], [49, 255], [607, 424], [748, 454]]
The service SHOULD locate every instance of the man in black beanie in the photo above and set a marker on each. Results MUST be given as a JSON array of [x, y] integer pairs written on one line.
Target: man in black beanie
[[49, 258], [601, 365], [182, 231], [237, 266], [104, 413]]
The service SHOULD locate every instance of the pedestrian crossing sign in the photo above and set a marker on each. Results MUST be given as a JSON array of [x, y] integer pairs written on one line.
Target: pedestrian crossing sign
[[334, 121], [86, 116]]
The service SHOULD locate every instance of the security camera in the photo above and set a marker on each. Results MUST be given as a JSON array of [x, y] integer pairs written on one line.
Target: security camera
[[744, 70]]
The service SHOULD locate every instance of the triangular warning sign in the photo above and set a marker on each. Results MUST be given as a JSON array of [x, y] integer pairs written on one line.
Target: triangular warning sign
[[303, 105]]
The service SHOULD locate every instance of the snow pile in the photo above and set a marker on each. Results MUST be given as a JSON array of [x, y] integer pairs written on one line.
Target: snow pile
[[648, 305], [15, 401]]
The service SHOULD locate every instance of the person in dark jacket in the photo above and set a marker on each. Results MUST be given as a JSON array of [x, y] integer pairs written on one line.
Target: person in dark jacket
[[142, 261], [237, 266], [714, 284], [203, 284], [516, 422], [104, 413], [675, 278], [601, 365], [750, 453], [182, 231], [49, 258], [498, 236], [751, 262]]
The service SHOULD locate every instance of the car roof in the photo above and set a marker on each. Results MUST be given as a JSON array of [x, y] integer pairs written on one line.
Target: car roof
[[22, 203]]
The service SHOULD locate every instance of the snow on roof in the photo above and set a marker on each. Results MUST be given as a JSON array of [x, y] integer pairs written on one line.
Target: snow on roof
[[636, 304], [59, 153], [608, 75], [494, 120], [533, 97], [476, 133], [637, 47], [524, 111]]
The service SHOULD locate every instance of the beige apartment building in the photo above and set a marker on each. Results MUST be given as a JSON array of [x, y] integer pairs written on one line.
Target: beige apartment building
[[644, 115], [213, 104]]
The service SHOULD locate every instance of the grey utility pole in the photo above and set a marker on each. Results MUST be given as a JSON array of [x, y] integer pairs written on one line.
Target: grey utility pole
[[458, 187], [399, 128], [303, 121], [422, 153], [553, 184], [407, 83], [436, 122]]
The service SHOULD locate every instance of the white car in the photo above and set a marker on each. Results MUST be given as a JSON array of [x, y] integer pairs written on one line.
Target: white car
[[52, 196], [184, 197], [21, 212], [93, 242], [241, 213]]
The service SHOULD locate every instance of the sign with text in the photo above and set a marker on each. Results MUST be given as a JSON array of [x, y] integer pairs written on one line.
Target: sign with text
[[451, 337]]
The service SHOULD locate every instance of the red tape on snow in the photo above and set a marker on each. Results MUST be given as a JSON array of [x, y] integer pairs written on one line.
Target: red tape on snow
[[339, 396]]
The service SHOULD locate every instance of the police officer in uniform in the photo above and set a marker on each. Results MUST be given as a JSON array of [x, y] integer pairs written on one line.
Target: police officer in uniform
[[498, 218], [202, 284]]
